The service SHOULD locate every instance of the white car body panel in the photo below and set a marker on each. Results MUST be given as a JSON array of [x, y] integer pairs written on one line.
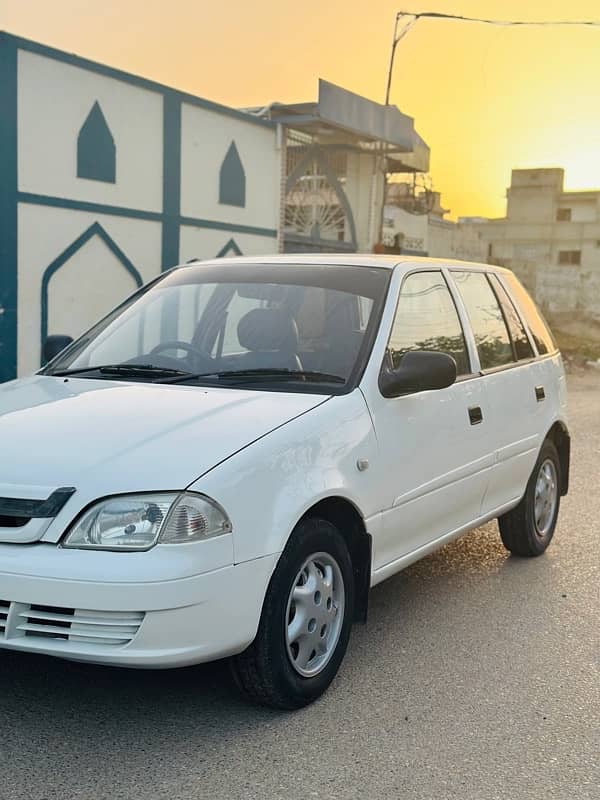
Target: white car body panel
[[414, 468], [311, 458], [186, 621], [110, 437]]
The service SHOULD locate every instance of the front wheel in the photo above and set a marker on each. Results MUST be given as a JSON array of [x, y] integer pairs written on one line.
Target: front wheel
[[305, 623], [528, 529]]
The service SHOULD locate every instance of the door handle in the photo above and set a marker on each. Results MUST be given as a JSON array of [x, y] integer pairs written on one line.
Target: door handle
[[540, 394], [475, 415]]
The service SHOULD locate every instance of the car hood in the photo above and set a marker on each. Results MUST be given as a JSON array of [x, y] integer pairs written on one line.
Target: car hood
[[105, 437]]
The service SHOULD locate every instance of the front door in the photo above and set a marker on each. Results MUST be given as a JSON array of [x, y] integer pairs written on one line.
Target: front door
[[434, 448]]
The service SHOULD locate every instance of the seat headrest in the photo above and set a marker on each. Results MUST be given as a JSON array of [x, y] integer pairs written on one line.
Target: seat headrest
[[268, 329]]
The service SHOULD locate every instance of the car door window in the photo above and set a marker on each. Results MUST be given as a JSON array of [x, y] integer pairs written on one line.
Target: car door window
[[487, 321], [427, 319], [537, 326], [521, 343]]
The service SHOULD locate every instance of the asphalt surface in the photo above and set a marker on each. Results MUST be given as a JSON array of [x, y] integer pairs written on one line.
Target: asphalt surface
[[476, 678]]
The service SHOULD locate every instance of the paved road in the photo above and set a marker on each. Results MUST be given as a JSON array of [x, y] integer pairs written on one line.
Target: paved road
[[476, 678]]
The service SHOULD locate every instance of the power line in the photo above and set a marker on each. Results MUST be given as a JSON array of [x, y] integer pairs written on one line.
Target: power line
[[410, 18], [506, 22]]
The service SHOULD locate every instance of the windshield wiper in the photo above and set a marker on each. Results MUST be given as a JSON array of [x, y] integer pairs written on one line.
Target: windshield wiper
[[124, 370], [171, 375], [253, 375]]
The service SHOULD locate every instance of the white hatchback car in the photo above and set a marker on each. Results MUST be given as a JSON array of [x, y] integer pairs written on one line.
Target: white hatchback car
[[227, 462]]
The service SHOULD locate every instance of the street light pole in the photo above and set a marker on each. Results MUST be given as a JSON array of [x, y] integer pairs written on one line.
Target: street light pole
[[409, 21]]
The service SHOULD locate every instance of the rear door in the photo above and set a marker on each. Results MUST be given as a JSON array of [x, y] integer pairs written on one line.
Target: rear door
[[506, 358], [546, 377]]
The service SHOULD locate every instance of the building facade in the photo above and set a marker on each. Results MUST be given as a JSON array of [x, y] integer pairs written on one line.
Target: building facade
[[107, 179], [551, 239], [339, 151], [415, 224]]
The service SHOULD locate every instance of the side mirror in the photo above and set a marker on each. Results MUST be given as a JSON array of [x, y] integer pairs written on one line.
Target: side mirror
[[418, 371], [54, 345]]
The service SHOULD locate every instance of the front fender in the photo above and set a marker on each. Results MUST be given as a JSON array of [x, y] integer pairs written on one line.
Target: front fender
[[268, 486]]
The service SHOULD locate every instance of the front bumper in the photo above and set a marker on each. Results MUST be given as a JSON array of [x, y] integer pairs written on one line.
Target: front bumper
[[143, 623]]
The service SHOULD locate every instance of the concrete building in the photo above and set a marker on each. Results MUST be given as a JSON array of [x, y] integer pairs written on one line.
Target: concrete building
[[551, 239], [105, 180], [338, 151], [415, 224]]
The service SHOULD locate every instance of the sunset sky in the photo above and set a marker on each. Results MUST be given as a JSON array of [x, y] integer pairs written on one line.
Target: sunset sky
[[485, 99]]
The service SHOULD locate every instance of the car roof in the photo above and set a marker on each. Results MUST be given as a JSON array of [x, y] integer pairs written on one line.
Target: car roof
[[389, 262]]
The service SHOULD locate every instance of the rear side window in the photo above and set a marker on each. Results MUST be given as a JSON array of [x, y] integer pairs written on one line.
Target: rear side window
[[539, 330], [426, 319], [521, 343], [487, 321]]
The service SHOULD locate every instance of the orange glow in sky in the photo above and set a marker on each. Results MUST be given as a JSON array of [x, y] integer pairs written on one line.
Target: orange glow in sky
[[485, 99]]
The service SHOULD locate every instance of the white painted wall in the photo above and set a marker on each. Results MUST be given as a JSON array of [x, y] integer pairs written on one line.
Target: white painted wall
[[448, 239], [54, 100], [205, 139], [44, 233], [362, 187], [203, 243], [412, 226], [77, 298]]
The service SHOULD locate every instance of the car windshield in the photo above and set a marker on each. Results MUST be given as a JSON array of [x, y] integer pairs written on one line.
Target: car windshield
[[233, 324]]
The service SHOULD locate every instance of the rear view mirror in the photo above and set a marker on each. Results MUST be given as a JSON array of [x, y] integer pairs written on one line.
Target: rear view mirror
[[54, 345], [418, 371], [269, 292]]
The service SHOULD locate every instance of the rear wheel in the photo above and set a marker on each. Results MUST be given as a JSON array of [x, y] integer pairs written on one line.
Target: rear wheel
[[528, 529], [305, 623]]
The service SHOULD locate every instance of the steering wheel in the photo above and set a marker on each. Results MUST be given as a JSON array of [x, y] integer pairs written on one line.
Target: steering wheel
[[199, 357]]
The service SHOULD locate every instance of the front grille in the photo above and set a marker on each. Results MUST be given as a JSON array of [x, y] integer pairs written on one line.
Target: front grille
[[13, 522], [4, 607], [72, 625], [44, 621]]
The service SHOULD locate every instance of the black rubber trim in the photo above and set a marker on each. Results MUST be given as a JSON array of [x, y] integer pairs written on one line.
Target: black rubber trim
[[564, 451], [36, 509]]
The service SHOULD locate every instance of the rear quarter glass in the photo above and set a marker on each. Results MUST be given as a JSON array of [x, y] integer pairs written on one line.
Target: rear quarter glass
[[537, 325]]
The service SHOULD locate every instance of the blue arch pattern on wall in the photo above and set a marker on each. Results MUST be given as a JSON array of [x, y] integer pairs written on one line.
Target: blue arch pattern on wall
[[232, 179], [96, 151], [230, 248], [94, 230]]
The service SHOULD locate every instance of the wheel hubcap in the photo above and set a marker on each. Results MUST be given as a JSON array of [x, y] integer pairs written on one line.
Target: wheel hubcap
[[546, 496], [315, 614]]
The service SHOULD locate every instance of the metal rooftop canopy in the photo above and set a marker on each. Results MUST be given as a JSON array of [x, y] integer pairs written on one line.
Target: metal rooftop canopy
[[363, 117], [340, 111]]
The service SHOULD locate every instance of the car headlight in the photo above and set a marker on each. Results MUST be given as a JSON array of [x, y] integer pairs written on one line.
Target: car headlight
[[140, 521]]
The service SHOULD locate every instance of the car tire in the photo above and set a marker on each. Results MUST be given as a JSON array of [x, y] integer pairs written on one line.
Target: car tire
[[527, 529], [305, 622]]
